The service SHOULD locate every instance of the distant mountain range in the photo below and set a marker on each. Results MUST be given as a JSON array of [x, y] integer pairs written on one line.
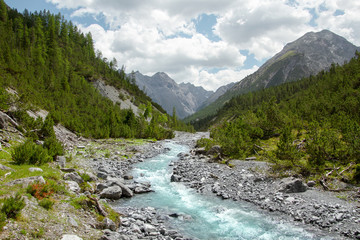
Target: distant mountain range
[[162, 89], [306, 56]]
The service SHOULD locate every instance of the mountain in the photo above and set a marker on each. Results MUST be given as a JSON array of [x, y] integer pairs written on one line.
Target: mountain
[[218, 93], [308, 55], [185, 97]]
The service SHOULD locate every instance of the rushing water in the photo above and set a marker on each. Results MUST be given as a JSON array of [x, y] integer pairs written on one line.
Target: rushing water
[[206, 217]]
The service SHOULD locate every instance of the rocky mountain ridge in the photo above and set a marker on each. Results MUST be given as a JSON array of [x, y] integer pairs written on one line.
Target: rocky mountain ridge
[[185, 97], [308, 55]]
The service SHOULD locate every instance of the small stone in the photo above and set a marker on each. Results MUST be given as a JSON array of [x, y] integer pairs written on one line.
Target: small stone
[[311, 183], [35, 169], [128, 177]]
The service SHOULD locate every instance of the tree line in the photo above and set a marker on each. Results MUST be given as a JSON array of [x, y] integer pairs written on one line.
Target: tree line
[[52, 65], [314, 122]]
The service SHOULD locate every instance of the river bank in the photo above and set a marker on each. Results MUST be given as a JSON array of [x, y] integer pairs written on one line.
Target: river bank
[[327, 213], [109, 164]]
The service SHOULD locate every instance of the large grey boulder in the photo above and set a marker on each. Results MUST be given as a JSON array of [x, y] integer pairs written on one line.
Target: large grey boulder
[[27, 181], [107, 223], [292, 185], [61, 161], [73, 176], [214, 150], [5, 168], [126, 191], [113, 193], [73, 186]]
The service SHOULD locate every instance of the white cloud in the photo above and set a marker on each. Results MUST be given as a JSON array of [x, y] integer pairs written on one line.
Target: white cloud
[[156, 35]]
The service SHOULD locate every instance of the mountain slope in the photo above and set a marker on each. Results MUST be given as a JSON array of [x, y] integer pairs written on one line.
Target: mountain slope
[[53, 66], [185, 97], [306, 56]]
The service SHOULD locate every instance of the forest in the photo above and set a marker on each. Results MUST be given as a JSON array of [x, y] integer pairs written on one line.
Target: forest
[[311, 126], [51, 65]]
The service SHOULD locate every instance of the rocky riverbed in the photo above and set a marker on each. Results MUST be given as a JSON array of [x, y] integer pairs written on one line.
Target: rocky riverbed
[[113, 180], [108, 163], [288, 198]]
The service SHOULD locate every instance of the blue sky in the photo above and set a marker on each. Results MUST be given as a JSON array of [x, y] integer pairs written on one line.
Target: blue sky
[[209, 43]]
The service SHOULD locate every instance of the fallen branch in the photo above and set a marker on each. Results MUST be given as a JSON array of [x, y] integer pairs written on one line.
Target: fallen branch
[[98, 206], [323, 184], [351, 164], [334, 169], [259, 147]]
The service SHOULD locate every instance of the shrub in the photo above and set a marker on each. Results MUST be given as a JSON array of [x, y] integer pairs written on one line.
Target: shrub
[[30, 153], [12, 206], [85, 177], [53, 146], [46, 203], [40, 191]]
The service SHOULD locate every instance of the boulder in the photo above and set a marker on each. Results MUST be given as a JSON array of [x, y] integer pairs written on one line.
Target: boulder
[[214, 150], [5, 168], [27, 181], [35, 169], [108, 224], [126, 191], [61, 161], [292, 185], [199, 151], [175, 178], [73, 186], [73, 176], [100, 187], [92, 176], [70, 237], [311, 183], [110, 235], [148, 228], [102, 175], [113, 193]]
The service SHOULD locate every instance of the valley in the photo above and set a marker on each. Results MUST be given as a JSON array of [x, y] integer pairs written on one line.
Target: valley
[[91, 151]]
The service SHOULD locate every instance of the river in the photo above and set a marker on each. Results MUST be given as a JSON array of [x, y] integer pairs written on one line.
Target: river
[[200, 216]]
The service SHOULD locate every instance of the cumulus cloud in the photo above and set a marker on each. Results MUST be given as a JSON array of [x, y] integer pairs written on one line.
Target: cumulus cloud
[[156, 35]]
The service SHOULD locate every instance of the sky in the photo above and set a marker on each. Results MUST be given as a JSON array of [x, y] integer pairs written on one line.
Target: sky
[[208, 43]]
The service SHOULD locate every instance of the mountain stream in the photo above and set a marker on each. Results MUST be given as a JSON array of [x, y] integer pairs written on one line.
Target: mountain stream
[[204, 217]]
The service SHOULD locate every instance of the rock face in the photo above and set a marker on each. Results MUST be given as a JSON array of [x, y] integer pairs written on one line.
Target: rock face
[[185, 97], [308, 55]]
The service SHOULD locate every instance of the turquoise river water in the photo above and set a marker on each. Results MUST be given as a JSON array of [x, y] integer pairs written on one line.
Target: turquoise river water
[[211, 217]]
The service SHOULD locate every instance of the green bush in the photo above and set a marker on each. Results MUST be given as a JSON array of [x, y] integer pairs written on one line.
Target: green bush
[[30, 153], [53, 146], [85, 177], [205, 142], [12, 206], [46, 203]]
